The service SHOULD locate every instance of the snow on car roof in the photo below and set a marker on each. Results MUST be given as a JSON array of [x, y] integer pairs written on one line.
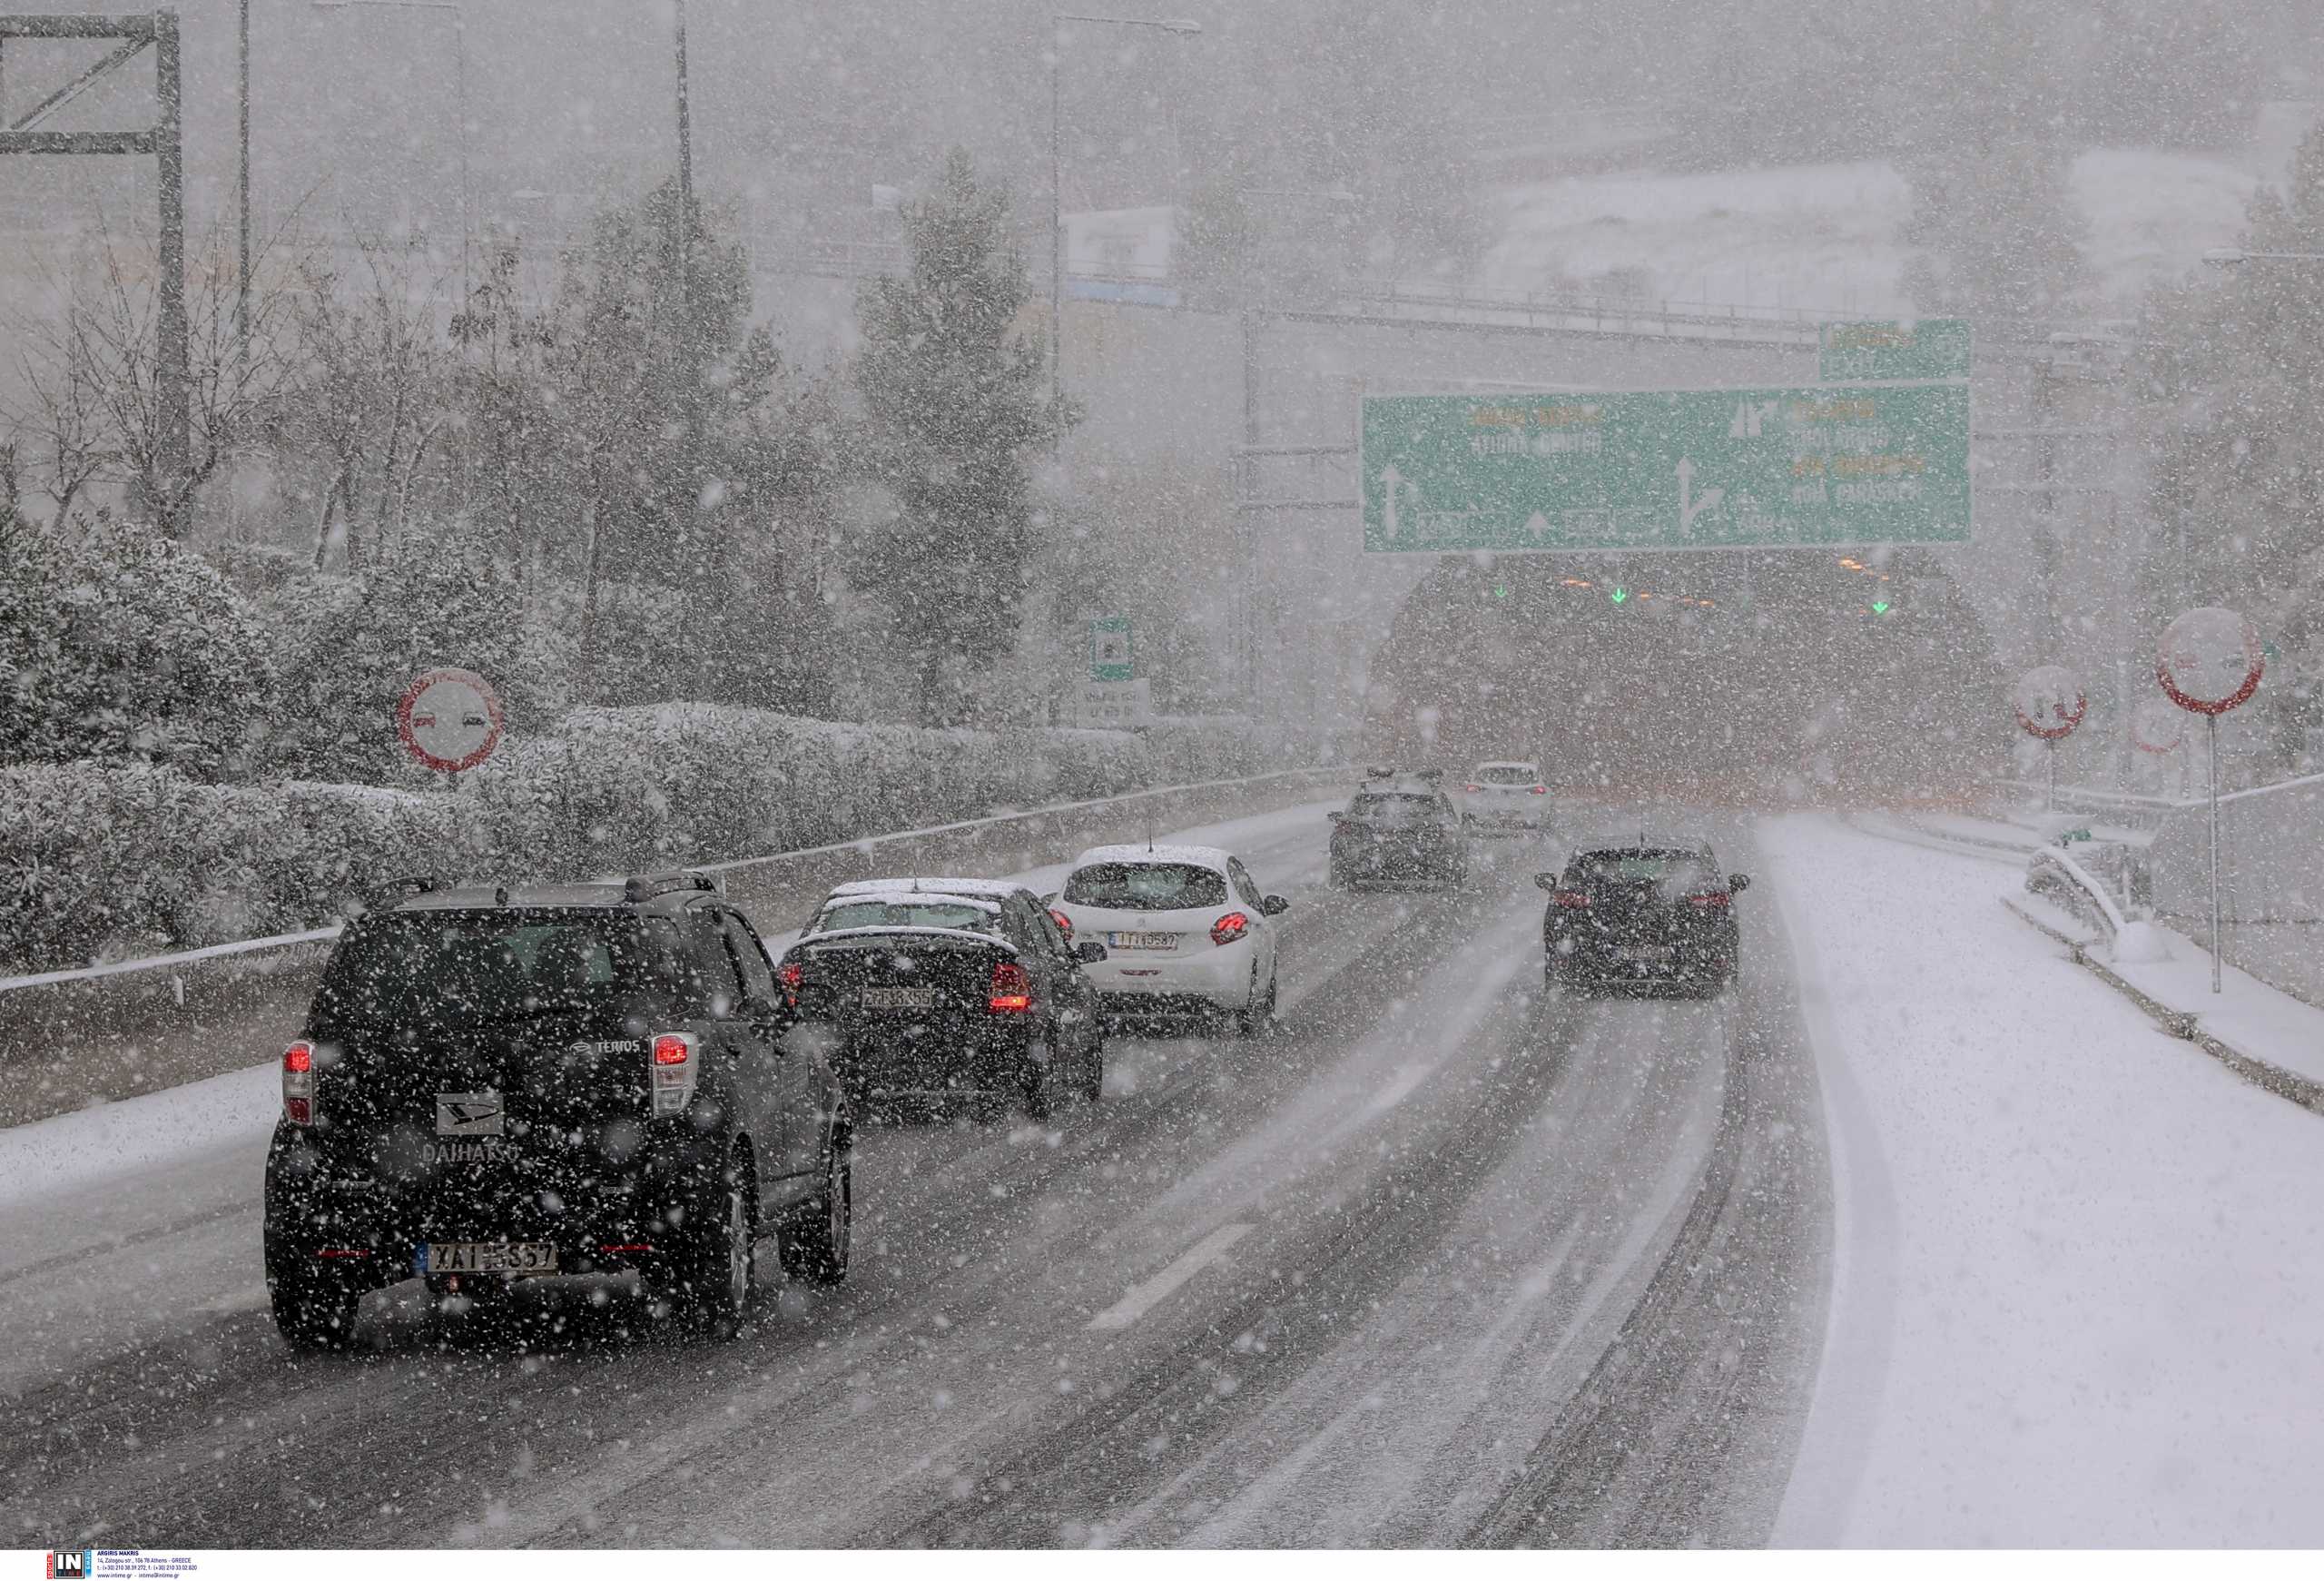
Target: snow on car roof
[[851, 895], [918, 931], [1001, 889], [1511, 763], [1210, 857]]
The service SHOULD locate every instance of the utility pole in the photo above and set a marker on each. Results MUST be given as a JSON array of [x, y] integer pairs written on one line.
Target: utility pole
[[172, 376], [690, 345], [242, 252]]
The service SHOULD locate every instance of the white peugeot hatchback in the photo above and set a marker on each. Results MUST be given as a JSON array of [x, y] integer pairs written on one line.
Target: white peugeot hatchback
[[1187, 930]]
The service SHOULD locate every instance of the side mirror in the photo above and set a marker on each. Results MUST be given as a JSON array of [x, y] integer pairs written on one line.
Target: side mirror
[[1336, 817], [1545, 881], [1274, 905], [1737, 883], [1088, 952]]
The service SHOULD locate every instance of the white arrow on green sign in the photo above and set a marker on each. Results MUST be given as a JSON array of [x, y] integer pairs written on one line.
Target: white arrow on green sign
[[1675, 470]]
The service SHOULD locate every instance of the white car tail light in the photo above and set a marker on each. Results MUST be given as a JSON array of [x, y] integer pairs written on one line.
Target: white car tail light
[[674, 1068]]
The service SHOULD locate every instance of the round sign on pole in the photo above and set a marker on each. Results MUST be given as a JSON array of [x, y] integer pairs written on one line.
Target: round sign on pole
[[2211, 660], [2157, 727], [2049, 702], [450, 719]]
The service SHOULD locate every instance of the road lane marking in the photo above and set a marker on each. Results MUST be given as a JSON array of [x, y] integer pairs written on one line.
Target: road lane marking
[[1192, 1261]]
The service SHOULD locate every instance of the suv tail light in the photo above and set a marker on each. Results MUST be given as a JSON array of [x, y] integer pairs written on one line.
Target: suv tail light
[[1229, 928], [1541, 790], [673, 1071], [1569, 900], [1472, 787], [298, 1083], [1717, 899], [791, 976], [1064, 923], [1012, 989]]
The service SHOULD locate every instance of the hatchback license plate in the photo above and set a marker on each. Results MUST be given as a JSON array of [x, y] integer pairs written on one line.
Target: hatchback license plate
[[508, 1257], [898, 998], [1141, 941]]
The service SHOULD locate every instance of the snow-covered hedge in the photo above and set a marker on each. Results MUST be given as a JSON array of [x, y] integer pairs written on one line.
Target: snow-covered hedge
[[103, 861]]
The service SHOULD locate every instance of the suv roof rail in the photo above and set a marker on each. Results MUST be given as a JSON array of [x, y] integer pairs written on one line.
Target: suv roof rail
[[646, 885]]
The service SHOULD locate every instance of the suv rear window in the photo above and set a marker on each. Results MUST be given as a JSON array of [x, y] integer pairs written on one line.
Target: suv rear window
[[883, 913], [1144, 886], [492, 965], [1393, 810], [1506, 773], [1673, 871]]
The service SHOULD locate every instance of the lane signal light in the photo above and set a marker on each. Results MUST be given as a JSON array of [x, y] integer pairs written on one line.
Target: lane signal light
[[1880, 606], [1619, 594]]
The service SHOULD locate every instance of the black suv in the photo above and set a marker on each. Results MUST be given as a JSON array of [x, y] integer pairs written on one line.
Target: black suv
[[1641, 914], [495, 1083], [1398, 829], [932, 988]]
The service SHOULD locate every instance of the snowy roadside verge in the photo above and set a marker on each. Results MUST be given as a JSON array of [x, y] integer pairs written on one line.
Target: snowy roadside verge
[[134, 1135], [2074, 1290]]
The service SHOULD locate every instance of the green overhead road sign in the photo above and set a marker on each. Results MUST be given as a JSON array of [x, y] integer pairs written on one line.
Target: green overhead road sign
[[1894, 348], [1679, 469], [1110, 657]]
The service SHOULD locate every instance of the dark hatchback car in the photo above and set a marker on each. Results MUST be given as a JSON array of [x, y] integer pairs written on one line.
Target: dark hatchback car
[[1402, 831], [1641, 914], [495, 1084], [933, 988]]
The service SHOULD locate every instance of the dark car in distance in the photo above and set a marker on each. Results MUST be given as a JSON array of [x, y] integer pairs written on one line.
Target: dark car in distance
[[933, 988], [1400, 831], [1639, 914], [497, 1084]]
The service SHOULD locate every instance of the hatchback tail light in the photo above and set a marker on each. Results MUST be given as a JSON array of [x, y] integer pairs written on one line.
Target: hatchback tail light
[[1229, 928], [1716, 900], [675, 1071], [1472, 787], [1541, 790], [298, 1083], [1012, 989], [791, 976], [1064, 923], [1569, 900]]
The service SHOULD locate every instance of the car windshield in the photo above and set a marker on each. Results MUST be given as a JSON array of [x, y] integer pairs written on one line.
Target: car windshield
[[436, 966], [1507, 774], [1145, 886], [907, 914], [1393, 810]]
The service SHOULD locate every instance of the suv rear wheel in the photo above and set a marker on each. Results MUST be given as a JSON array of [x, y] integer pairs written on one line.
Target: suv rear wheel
[[716, 1259], [314, 1299], [814, 1248]]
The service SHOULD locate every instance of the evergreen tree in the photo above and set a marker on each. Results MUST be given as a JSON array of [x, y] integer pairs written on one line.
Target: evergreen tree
[[953, 408]]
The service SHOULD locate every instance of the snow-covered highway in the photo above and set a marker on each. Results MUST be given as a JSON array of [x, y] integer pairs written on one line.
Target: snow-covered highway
[[1448, 1259]]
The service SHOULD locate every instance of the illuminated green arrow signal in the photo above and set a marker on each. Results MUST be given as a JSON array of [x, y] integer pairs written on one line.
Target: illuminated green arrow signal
[[1619, 594], [1880, 606]]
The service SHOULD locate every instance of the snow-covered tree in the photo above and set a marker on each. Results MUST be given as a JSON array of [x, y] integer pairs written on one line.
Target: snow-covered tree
[[954, 411]]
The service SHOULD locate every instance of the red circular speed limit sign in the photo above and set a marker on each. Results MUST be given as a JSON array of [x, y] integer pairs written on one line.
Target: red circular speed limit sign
[[2049, 702], [450, 719], [2211, 661], [2156, 727]]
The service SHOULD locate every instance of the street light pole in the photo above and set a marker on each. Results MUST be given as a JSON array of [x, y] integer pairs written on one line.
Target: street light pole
[[1179, 27]]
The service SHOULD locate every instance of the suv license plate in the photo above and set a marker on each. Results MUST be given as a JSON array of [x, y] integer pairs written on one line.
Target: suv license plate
[[898, 998], [1141, 941], [519, 1257]]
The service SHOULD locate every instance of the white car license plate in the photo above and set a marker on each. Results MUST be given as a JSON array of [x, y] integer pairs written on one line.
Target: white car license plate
[[509, 1257], [1141, 941], [898, 998], [1648, 952]]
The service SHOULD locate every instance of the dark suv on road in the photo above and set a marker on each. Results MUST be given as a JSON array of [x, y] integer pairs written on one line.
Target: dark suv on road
[[494, 1085], [1398, 829], [1641, 914]]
